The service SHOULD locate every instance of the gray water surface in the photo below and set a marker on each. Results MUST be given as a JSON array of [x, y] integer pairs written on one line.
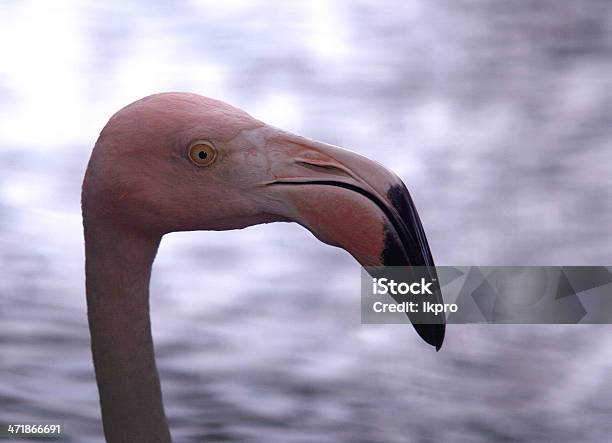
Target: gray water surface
[[497, 115]]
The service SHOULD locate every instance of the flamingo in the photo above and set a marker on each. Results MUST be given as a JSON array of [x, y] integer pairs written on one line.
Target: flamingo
[[182, 162]]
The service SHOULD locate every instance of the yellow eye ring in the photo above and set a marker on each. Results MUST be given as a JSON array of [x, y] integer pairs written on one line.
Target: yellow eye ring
[[202, 153]]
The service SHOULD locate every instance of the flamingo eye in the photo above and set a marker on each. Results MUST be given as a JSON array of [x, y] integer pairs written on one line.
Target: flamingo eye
[[202, 153]]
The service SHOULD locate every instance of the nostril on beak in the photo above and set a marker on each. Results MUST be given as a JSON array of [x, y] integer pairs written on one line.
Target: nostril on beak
[[325, 168]]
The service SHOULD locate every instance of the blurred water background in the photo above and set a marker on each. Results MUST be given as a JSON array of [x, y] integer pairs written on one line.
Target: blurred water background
[[496, 114]]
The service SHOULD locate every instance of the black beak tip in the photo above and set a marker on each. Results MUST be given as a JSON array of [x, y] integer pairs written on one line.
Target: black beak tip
[[433, 334], [412, 250]]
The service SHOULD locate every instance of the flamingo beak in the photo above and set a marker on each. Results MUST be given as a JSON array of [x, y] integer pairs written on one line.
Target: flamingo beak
[[352, 202]]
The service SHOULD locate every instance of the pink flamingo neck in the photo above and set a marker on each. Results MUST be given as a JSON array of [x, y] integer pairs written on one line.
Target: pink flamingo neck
[[118, 270]]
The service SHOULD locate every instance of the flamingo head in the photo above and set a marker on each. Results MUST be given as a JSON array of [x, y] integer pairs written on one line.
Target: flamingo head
[[181, 162]]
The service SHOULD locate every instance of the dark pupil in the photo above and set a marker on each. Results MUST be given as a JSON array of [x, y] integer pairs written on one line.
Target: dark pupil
[[202, 155]]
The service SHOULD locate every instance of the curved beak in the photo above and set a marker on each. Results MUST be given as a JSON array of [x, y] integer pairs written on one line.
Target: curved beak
[[349, 201]]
